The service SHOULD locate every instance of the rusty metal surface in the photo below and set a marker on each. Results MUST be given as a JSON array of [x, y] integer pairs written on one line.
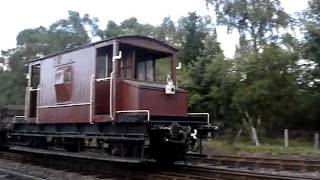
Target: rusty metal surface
[[153, 99]]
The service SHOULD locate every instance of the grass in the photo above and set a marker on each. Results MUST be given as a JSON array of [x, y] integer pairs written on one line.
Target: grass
[[274, 147]]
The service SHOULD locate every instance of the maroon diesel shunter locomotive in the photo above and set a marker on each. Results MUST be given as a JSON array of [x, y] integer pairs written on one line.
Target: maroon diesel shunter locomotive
[[106, 93]]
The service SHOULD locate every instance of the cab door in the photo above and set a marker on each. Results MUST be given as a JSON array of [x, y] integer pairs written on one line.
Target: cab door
[[102, 82]]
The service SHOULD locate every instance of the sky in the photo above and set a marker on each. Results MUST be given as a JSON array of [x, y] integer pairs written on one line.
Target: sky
[[17, 15]]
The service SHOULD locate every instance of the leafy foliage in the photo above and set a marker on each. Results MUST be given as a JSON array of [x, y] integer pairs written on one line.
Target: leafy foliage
[[255, 20], [36, 43], [192, 30]]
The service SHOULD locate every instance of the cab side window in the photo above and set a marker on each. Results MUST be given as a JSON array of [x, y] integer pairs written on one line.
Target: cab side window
[[145, 70], [63, 84], [125, 67], [63, 75], [35, 76]]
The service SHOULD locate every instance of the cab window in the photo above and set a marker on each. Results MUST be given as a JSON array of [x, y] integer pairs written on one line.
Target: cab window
[[35, 76], [145, 70]]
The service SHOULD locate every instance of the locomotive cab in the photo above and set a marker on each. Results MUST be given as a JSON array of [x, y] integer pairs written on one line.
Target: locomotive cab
[[139, 79]]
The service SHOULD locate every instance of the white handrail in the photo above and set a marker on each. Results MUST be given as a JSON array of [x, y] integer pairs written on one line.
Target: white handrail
[[19, 116], [27, 98], [110, 97], [137, 111], [91, 98], [119, 56], [38, 104], [63, 105], [31, 89], [206, 114], [103, 79]]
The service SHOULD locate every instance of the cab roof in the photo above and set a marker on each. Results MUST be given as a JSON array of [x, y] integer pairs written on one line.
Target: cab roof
[[133, 40]]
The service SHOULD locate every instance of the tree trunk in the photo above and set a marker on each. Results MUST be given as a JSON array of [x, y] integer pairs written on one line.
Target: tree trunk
[[254, 136], [237, 136], [249, 126]]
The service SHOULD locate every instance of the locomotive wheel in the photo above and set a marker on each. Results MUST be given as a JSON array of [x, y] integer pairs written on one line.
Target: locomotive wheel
[[168, 153], [129, 149]]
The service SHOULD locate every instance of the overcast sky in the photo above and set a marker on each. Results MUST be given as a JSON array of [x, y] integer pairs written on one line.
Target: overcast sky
[[16, 15]]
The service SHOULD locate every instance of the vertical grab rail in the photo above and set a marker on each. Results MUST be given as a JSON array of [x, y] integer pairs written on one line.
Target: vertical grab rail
[[92, 81], [27, 99], [110, 98], [38, 101]]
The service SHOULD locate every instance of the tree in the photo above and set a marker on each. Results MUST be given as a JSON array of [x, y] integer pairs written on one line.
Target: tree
[[129, 26], [198, 82], [112, 30], [266, 88], [255, 20], [192, 30], [12, 80], [310, 20], [36, 43], [167, 31]]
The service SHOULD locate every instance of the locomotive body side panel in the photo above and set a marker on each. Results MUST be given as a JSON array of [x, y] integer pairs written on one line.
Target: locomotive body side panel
[[161, 104], [151, 96], [55, 106], [129, 97]]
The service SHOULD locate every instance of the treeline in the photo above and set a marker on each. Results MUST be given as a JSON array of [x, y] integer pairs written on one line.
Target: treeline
[[272, 82]]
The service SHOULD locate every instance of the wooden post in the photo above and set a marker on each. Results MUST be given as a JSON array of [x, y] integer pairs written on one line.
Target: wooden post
[[316, 140], [286, 138]]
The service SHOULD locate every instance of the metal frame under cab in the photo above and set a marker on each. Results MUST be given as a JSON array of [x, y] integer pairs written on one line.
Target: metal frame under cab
[[205, 114], [137, 111]]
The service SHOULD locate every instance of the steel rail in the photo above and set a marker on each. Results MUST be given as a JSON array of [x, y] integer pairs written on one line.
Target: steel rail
[[232, 173], [279, 163], [9, 174]]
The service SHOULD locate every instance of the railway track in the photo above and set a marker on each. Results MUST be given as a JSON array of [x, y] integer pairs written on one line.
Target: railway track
[[259, 162], [101, 168], [225, 173], [6, 174]]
